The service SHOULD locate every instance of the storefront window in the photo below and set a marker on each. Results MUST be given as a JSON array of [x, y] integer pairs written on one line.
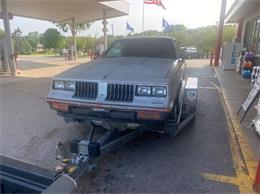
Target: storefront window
[[252, 35]]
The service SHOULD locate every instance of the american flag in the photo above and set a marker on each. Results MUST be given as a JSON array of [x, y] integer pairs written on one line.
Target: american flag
[[155, 2]]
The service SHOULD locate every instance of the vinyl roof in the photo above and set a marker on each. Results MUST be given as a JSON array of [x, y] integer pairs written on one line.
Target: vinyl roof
[[149, 37]]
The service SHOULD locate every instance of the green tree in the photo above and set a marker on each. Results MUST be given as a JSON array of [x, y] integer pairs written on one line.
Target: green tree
[[229, 32], [17, 40], [203, 38], [180, 33], [182, 38], [176, 28], [21, 45], [33, 38], [52, 39], [26, 48], [83, 43], [78, 27]]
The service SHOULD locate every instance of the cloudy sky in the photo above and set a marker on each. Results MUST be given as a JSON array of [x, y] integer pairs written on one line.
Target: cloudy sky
[[191, 13]]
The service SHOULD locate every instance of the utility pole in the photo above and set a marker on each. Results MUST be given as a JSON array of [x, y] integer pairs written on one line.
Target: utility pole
[[220, 32]]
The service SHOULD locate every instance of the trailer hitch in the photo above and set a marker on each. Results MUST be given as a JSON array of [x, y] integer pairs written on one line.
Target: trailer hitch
[[77, 156]]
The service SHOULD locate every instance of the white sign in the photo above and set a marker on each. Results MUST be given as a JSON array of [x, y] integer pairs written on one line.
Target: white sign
[[252, 95]]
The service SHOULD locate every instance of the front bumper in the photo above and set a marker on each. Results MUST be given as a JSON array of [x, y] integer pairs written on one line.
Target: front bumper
[[92, 111]]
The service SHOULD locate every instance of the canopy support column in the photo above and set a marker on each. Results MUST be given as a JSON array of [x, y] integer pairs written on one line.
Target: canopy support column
[[8, 39], [74, 39], [4, 60], [105, 28]]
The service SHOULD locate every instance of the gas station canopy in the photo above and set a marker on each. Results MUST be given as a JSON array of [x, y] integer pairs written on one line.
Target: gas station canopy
[[240, 8], [62, 11], [65, 10]]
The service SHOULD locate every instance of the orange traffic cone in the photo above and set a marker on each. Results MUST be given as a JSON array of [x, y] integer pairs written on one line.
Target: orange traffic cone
[[256, 185]]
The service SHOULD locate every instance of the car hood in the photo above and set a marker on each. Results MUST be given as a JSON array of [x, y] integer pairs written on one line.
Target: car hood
[[121, 69]]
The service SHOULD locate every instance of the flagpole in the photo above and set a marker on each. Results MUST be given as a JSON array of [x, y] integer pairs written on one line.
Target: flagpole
[[126, 30], [143, 20], [162, 26]]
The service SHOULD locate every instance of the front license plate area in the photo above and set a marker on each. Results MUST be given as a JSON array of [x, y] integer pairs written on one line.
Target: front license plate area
[[100, 112]]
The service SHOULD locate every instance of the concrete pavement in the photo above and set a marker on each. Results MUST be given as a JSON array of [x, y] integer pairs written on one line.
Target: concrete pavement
[[29, 129], [45, 66], [152, 163], [235, 89]]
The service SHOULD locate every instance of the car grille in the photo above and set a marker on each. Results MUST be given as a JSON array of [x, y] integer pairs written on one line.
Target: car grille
[[86, 90], [120, 92]]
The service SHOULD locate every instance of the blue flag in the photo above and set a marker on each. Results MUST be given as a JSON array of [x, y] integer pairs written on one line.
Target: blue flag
[[165, 24], [129, 28]]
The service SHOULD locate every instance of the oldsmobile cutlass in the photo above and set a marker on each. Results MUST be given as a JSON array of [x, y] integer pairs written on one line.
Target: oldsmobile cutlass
[[135, 82]]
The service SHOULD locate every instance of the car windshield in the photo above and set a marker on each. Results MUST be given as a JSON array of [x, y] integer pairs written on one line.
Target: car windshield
[[153, 48]]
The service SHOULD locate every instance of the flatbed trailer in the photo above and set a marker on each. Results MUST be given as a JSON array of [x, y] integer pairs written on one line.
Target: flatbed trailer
[[20, 177]]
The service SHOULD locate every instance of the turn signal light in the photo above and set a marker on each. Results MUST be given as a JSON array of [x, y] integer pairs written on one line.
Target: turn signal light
[[60, 106]]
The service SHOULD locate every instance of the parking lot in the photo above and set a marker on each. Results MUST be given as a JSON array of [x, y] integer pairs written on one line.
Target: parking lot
[[151, 163]]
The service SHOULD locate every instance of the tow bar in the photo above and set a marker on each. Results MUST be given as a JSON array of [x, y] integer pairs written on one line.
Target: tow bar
[[85, 151]]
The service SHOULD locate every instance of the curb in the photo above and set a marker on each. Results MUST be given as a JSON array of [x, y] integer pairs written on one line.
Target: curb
[[256, 185], [246, 152]]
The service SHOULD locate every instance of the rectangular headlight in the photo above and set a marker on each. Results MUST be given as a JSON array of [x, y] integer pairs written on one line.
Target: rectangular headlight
[[143, 90], [64, 85], [159, 91], [57, 84], [69, 85]]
